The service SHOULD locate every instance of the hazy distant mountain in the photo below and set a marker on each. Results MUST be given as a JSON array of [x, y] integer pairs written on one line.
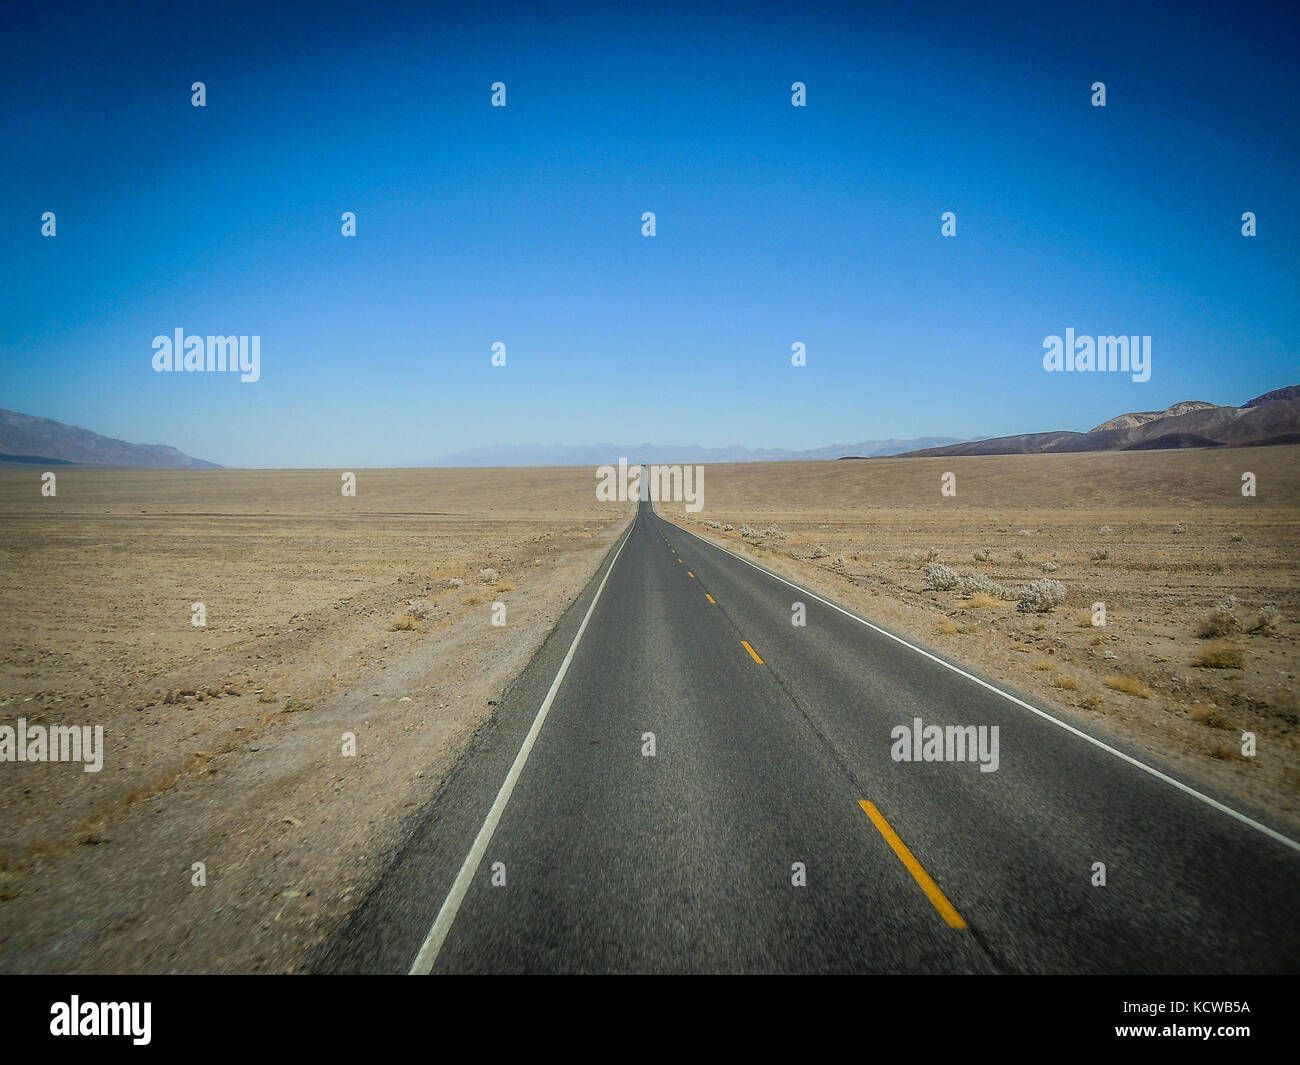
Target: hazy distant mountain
[[26, 440], [1273, 418], [601, 454]]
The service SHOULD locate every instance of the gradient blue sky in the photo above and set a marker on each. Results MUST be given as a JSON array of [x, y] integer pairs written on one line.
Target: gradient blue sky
[[522, 224]]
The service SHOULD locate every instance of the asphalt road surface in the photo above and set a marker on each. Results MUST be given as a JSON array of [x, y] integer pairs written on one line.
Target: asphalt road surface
[[772, 830]]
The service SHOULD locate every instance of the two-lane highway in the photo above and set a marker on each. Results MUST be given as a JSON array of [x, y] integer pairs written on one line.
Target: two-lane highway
[[709, 787]]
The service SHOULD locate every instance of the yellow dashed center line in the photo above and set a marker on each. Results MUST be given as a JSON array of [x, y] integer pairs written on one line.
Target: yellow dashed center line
[[710, 598], [930, 888], [690, 574], [752, 653]]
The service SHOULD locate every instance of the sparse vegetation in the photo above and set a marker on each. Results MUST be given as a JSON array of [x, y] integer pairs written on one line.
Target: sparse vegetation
[[1128, 685], [981, 584], [1266, 621], [941, 578], [1210, 715], [1223, 620], [1221, 656], [1041, 596]]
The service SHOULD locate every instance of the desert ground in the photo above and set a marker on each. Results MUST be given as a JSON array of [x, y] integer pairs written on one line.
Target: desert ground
[[1200, 583], [371, 615], [324, 615]]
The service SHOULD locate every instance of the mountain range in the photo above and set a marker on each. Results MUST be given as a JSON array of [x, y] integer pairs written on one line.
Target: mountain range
[[601, 454], [1273, 418], [26, 440]]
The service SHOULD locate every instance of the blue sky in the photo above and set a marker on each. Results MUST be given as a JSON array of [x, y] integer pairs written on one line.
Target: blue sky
[[522, 224]]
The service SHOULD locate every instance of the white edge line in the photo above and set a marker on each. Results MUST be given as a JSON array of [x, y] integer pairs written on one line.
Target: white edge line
[[432, 944], [1270, 832]]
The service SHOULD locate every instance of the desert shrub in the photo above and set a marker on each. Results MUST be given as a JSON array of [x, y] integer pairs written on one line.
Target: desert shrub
[[980, 599], [406, 624], [1099, 554], [1235, 538], [1130, 685], [1040, 596], [728, 527], [1210, 715], [982, 584], [1019, 555], [1181, 527], [1106, 530], [419, 608], [747, 533], [1223, 620], [776, 532], [1068, 684], [983, 555], [1050, 567], [820, 552], [941, 578], [488, 575], [1266, 621], [838, 560], [1221, 656], [1026, 532], [455, 582], [713, 524]]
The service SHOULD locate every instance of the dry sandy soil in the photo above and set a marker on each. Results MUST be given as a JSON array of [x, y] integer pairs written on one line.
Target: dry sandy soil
[[1161, 538], [224, 743]]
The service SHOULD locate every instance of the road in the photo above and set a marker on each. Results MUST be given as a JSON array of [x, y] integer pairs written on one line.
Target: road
[[772, 830]]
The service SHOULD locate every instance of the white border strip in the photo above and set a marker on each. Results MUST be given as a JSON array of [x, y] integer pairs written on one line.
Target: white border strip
[[1270, 832], [423, 963]]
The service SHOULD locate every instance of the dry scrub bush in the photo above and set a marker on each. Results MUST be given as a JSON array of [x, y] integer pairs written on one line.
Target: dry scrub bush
[[1221, 656], [1266, 621], [1041, 596], [1130, 685], [941, 578], [1223, 620]]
